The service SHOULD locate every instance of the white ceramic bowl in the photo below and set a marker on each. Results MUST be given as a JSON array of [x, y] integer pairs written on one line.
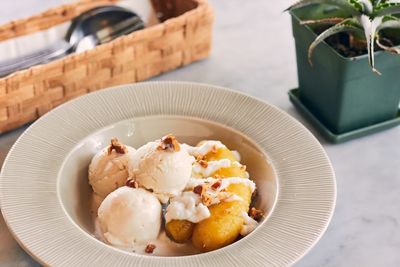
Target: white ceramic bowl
[[45, 195]]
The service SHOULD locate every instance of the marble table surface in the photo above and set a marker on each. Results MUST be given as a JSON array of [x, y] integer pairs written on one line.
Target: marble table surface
[[254, 52]]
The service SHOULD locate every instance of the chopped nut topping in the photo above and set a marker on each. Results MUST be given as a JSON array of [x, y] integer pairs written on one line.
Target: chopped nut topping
[[131, 183], [209, 193], [214, 149], [198, 190], [256, 214], [150, 248], [216, 185], [117, 146], [200, 157], [206, 199], [243, 167], [203, 163], [169, 143]]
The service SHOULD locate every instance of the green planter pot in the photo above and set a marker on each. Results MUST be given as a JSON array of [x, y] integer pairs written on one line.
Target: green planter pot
[[343, 93]]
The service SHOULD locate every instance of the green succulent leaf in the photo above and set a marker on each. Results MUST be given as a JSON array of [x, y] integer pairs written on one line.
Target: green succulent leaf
[[370, 30], [387, 8], [351, 6], [389, 17], [367, 6], [345, 26], [322, 21], [393, 23], [357, 5], [378, 2], [367, 17], [390, 49]]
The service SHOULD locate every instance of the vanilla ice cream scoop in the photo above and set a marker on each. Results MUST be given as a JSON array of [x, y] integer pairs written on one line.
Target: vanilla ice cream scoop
[[109, 168], [130, 216], [163, 167]]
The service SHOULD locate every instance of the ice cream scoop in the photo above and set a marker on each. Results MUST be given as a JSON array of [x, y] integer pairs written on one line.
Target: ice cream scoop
[[130, 216], [109, 168], [163, 167]]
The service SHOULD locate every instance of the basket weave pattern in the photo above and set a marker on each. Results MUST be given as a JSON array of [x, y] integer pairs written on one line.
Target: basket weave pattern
[[184, 37]]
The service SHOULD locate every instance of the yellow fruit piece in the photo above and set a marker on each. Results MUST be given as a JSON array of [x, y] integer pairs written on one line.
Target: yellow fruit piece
[[179, 231], [242, 191], [221, 153], [221, 228], [232, 171]]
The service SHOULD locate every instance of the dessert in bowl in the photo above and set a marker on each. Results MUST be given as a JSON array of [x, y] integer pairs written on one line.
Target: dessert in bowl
[[47, 201], [170, 196]]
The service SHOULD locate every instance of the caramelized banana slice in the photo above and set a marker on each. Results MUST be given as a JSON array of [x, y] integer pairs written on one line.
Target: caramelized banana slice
[[223, 226], [219, 230], [179, 231], [220, 153]]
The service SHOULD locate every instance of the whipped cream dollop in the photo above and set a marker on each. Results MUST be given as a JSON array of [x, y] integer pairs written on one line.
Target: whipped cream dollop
[[236, 154], [205, 169], [225, 182], [205, 148], [187, 206], [190, 206], [249, 224]]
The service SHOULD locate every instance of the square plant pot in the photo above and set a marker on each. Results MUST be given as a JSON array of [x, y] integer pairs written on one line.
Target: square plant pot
[[343, 93]]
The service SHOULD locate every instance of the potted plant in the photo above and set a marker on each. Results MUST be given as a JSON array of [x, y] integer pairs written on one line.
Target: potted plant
[[343, 95]]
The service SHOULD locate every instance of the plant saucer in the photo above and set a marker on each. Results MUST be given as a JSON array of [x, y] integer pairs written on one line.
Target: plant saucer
[[343, 137]]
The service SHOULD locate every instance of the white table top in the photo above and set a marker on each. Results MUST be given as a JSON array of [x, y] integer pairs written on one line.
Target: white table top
[[254, 53]]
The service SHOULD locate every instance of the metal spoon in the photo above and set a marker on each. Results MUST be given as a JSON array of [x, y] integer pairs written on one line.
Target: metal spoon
[[91, 28], [84, 25]]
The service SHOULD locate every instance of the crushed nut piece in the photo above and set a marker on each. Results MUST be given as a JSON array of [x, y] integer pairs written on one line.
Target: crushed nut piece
[[203, 163], [169, 143], [117, 146], [198, 190], [206, 199], [216, 185], [256, 214], [131, 183], [243, 167], [150, 248], [214, 149], [200, 157]]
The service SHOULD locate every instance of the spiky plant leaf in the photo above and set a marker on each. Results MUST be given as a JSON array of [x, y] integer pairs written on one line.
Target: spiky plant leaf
[[387, 8], [363, 16], [351, 6], [392, 23], [357, 5], [322, 21], [370, 29], [367, 6], [345, 26], [390, 49]]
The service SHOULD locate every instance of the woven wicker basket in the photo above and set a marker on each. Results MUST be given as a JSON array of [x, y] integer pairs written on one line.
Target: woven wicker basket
[[184, 36]]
